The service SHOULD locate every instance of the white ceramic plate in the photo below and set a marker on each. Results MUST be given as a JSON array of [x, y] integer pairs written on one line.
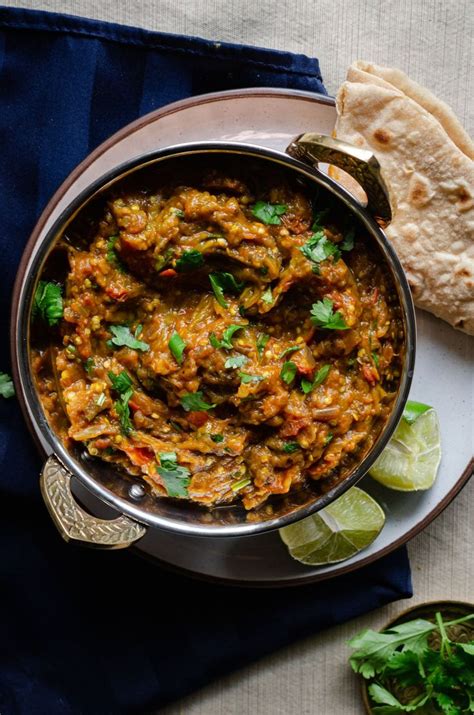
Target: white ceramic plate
[[443, 374]]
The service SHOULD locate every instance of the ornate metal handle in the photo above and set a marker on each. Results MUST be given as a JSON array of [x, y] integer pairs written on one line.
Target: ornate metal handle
[[361, 164], [73, 523]]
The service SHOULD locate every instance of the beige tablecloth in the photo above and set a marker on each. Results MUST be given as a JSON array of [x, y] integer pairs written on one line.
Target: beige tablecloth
[[432, 40]]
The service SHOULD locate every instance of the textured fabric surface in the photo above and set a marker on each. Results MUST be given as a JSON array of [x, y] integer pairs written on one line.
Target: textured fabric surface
[[89, 632]]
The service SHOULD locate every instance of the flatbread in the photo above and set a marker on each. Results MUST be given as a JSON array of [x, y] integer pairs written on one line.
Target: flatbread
[[426, 162]]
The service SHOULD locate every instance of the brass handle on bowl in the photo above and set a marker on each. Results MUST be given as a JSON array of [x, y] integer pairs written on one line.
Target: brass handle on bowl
[[75, 524], [361, 164]]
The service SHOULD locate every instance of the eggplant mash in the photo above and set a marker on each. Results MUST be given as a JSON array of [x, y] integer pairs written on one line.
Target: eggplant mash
[[223, 336]]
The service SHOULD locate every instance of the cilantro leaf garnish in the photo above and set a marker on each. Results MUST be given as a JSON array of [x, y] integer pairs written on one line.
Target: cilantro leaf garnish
[[193, 402], [235, 361], [291, 349], [178, 212], [112, 255], [323, 315], [221, 282], [226, 341], [246, 378], [177, 347], [262, 340], [321, 375], [290, 447], [48, 302], [318, 219], [190, 260], [318, 248], [6, 385], [348, 243], [288, 371], [328, 438], [267, 295], [122, 383], [269, 213], [175, 478], [123, 337], [217, 438]]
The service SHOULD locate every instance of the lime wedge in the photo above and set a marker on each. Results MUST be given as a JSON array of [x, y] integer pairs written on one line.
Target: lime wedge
[[335, 533], [411, 459]]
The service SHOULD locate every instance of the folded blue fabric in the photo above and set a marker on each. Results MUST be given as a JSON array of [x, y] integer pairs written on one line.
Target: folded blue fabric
[[89, 632]]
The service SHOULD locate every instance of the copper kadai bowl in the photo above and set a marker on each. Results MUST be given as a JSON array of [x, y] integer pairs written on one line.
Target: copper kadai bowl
[[137, 509]]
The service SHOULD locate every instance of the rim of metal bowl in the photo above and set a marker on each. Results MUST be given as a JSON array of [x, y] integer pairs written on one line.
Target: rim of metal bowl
[[31, 271]]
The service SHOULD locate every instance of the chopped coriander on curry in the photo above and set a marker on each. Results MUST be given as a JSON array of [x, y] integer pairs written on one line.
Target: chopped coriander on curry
[[112, 255], [235, 361], [122, 384], [324, 316], [262, 340], [288, 371], [177, 347], [190, 260], [309, 385], [267, 295], [217, 438], [122, 337], [224, 282], [290, 447], [269, 213], [48, 302], [246, 378], [175, 477], [318, 248], [193, 402], [227, 336], [291, 349]]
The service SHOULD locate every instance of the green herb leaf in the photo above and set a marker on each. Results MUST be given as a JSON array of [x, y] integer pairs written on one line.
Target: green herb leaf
[[318, 219], [288, 351], [383, 696], [290, 447], [288, 372], [190, 260], [193, 402], [217, 438], [467, 647], [221, 282], [48, 302], [175, 478], [235, 361], [267, 295], [123, 337], [178, 212], [226, 342], [348, 243], [177, 346], [262, 340], [319, 248], [112, 255], [328, 438], [269, 213], [246, 378], [374, 649], [375, 358], [321, 375], [323, 315], [121, 382], [6, 385], [163, 260], [413, 410]]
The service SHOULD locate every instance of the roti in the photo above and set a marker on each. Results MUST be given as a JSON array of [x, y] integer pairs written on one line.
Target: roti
[[426, 159]]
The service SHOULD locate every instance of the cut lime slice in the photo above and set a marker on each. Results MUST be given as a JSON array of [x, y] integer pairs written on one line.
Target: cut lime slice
[[411, 459], [335, 533]]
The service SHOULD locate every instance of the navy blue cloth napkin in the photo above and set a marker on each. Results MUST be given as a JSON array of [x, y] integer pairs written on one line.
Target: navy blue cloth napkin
[[86, 632]]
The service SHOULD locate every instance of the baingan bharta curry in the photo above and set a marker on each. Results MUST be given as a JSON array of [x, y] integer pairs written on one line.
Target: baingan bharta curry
[[222, 334]]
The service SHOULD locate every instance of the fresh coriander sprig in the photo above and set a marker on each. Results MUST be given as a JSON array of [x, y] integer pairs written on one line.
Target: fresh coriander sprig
[[175, 478], [48, 302], [324, 316], [122, 337], [269, 213]]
